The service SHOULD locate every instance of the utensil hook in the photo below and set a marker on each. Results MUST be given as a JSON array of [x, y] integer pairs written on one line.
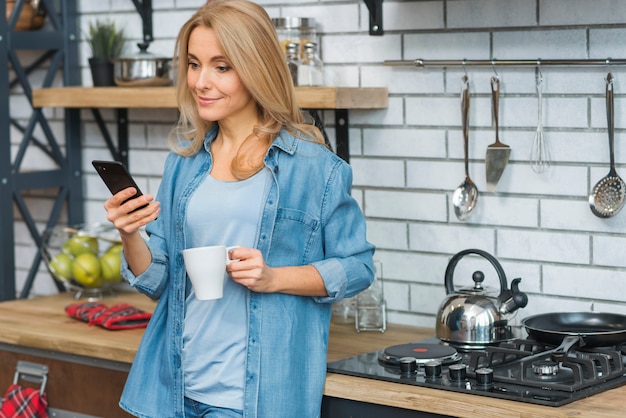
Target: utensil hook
[[538, 73], [493, 66]]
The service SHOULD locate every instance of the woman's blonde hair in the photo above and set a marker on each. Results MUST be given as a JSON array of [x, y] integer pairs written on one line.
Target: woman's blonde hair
[[249, 42]]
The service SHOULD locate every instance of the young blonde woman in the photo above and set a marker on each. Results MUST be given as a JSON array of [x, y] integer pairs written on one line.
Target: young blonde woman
[[244, 171]]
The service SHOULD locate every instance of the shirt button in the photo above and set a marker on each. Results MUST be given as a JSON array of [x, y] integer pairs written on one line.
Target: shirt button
[[276, 169]]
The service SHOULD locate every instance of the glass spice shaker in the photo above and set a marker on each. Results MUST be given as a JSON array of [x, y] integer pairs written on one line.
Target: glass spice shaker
[[292, 60], [311, 69]]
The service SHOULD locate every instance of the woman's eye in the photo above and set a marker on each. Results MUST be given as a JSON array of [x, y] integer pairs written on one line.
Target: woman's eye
[[222, 68]]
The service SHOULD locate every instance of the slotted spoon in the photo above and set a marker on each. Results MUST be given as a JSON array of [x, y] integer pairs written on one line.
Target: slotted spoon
[[607, 196]]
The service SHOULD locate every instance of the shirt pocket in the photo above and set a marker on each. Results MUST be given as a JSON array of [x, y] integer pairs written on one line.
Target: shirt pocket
[[296, 237]]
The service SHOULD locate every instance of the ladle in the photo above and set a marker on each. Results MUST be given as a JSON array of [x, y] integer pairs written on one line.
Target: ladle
[[607, 197], [465, 196]]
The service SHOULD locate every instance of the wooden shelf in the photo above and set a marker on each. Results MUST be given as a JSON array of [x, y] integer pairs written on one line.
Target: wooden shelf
[[164, 97]]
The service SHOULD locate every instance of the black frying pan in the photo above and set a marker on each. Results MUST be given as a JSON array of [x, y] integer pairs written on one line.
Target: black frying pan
[[595, 329]]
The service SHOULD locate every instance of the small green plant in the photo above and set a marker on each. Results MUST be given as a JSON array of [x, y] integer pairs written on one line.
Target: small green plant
[[105, 39]]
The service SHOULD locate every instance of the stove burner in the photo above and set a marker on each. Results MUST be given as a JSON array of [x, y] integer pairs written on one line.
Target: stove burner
[[422, 353], [545, 368]]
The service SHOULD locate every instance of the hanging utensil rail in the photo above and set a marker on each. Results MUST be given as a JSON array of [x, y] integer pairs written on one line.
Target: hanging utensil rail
[[421, 63]]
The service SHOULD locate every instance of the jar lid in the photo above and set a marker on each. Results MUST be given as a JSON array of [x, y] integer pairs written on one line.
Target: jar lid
[[294, 22]]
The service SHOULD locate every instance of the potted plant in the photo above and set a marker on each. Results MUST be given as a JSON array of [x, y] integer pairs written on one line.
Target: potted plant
[[106, 41]]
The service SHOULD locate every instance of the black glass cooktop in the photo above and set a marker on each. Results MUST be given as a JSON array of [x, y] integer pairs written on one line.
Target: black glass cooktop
[[521, 370]]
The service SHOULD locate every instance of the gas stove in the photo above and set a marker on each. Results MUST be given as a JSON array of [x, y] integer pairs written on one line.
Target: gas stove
[[520, 370]]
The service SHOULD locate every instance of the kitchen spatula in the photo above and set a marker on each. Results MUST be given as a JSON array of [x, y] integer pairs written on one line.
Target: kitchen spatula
[[497, 153]]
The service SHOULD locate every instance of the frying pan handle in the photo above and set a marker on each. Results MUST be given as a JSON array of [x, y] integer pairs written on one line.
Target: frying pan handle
[[560, 353], [457, 257]]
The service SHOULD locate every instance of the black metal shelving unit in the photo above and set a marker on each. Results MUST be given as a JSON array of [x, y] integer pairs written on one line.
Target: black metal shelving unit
[[55, 48]]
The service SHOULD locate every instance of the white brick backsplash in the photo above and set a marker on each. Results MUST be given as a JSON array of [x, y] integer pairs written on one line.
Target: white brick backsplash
[[556, 247], [585, 282], [554, 44], [599, 109], [442, 238], [530, 273], [426, 299], [602, 42], [380, 173], [579, 11], [433, 111], [345, 76], [434, 175], [489, 13], [396, 295], [496, 210], [390, 235], [408, 158], [392, 115], [166, 23], [412, 267], [431, 46], [404, 143], [405, 205], [410, 15], [576, 216], [403, 80], [609, 251], [351, 48]]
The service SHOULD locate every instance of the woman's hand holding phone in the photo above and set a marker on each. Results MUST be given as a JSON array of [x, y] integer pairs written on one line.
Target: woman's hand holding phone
[[128, 209]]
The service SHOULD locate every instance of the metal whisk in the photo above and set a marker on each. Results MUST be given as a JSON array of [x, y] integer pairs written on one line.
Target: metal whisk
[[539, 151]]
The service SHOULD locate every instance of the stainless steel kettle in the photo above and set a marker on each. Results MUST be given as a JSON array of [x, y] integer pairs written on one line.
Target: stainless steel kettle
[[475, 317]]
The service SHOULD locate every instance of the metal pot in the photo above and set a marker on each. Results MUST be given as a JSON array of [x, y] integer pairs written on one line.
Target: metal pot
[[475, 317], [142, 69]]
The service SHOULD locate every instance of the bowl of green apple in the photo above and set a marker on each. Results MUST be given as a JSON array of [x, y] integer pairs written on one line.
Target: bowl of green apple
[[85, 259]]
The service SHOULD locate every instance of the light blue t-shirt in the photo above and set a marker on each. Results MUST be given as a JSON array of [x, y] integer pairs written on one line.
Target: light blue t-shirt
[[214, 338]]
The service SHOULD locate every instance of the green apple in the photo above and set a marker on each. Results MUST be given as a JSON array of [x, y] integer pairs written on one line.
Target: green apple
[[61, 267], [115, 248], [81, 244], [87, 271], [110, 264]]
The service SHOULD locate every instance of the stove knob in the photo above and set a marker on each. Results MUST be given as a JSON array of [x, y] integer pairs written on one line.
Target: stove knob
[[458, 372], [484, 377], [408, 366], [432, 369]]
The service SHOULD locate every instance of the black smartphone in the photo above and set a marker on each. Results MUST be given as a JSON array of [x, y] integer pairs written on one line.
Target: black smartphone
[[116, 177]]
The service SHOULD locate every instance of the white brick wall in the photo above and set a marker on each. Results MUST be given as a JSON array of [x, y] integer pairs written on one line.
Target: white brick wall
[[407, 159]]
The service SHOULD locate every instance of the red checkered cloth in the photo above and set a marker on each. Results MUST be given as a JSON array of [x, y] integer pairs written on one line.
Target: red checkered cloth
[[22, 402], [120, 316]]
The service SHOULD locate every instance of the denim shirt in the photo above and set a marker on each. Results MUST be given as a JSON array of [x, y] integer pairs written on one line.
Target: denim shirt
[[308, 218]]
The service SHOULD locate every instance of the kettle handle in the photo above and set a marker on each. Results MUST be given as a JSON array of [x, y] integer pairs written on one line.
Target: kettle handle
[[455, 259]]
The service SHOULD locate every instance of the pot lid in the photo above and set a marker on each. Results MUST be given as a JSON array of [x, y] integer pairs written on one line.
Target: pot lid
[[143, 54]]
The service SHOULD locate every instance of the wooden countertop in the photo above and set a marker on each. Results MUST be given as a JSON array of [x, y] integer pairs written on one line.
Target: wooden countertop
[[42, 323], [164, 97]]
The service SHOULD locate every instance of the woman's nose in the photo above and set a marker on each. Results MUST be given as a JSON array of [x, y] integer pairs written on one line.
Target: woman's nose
[[204, 80]]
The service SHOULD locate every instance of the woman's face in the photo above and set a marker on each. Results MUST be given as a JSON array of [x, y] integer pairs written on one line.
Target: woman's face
[[216, 86]]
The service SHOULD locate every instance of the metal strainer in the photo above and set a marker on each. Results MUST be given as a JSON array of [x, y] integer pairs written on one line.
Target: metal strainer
[[607, 196]]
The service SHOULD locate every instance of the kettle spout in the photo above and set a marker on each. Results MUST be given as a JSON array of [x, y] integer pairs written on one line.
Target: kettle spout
[[515, 298]]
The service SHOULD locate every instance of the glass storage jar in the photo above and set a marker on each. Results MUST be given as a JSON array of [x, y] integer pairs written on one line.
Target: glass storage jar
[[299, 30]]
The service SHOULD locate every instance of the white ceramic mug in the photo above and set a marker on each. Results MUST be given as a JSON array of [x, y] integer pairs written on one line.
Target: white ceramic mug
[[206, 268]]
